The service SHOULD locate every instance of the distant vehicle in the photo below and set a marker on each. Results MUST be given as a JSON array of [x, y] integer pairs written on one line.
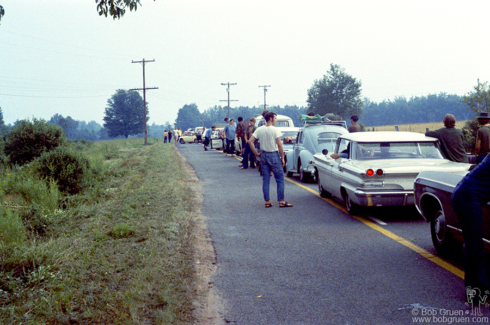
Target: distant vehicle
[[217, 141], [191, 138], [314, 136], [198, 131], [282, 121], [379, 168]]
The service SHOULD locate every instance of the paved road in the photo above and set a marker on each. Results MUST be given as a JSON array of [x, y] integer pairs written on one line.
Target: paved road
[[316, 264]]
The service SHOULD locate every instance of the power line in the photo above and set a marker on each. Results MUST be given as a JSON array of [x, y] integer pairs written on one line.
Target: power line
[[265, 91]]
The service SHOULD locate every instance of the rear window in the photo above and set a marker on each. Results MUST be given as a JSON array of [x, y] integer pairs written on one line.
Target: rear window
[[397, 150]]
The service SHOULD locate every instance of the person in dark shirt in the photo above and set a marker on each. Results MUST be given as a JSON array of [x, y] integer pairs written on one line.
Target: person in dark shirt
[[482, 147], [451, 140]]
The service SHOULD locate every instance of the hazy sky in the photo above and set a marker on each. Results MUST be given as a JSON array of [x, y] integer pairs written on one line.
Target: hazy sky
[[60, 56]]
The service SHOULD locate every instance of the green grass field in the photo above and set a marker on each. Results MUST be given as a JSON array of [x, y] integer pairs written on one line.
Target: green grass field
[[415, 127], [118, 253]]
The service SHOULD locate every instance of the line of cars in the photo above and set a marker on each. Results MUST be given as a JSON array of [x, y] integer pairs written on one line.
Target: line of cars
[[374, 169]]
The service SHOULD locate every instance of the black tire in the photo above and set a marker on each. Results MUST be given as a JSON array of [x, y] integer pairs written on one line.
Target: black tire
[[442, 240], [182, 141], [303, 177], [351, 207]]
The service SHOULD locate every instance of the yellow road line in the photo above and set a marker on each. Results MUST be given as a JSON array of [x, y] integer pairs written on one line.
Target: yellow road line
[[431, 257]]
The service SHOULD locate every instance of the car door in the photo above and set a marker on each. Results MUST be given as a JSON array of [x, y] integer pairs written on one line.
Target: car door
[[298, 146], [337, 174]]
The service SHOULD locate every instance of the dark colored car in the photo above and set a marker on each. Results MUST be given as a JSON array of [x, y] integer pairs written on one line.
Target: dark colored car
[[433, 191]]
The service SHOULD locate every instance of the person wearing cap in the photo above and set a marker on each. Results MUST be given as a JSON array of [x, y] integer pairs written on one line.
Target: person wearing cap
[[482, 147], [451, 139]]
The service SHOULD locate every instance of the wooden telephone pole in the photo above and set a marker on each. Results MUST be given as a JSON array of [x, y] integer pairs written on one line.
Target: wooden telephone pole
[[232, 100], [265, 91], [144, 94]]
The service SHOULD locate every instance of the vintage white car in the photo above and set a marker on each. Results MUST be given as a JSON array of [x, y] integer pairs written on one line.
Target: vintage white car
[[379, 168], [312, 138], [217, 141]]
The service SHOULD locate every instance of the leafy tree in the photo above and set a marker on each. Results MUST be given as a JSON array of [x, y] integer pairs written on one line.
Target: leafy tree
[[2, 12], [29, 139], [124, 114], [479, 99], [188, 117], [116, 8], [337, 92], [3, 127]]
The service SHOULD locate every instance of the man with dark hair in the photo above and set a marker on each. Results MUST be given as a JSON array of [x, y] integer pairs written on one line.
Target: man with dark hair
[[207, 137], [240, 132], [451, 140], [263, 121], [271, 158], [354, 127], [229, 133], [482, 147]]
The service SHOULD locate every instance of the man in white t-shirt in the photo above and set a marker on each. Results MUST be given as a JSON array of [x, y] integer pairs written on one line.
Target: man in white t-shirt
[[271, 158]]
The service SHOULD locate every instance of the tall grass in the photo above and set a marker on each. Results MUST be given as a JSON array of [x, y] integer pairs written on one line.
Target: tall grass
[[414, 127], [116, 253]]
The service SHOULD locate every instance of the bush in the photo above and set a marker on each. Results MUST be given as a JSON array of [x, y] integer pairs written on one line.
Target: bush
[[69, 168], [12, 230], [29, 139]]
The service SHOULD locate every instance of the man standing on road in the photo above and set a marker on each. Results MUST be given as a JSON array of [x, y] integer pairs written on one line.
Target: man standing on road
[[229, 133], [207, 137], [271, 158], [451, 139], [354, 127], [240, 132], [471, 193]]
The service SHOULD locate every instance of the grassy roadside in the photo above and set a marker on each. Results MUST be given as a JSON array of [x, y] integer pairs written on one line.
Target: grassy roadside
[[121, 253]]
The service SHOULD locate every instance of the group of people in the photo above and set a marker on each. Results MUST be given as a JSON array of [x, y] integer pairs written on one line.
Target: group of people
[[470, 195], [176, 133], [261, 143]]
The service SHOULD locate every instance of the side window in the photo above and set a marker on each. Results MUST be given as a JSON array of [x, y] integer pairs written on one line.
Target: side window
[[343, 147], [300, 137]]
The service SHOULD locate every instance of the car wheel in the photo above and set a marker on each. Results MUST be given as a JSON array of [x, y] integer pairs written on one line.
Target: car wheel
[[441, 237], [303, 177], [196, 141], [351, 207], [182, 141]]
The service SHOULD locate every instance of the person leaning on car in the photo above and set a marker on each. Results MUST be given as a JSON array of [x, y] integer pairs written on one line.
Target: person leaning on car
[[471, 193], [482, 147], [451, 139]]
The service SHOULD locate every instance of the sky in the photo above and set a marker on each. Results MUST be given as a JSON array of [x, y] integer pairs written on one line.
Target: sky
[[60, 56]]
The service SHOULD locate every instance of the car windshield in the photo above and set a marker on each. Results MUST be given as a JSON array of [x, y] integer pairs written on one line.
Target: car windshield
[[282, 124], [397, 150], [326, 140]]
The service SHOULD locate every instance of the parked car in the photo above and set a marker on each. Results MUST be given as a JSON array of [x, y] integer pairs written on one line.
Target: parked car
[[312, 138], [283, 121], [433, 191], [198, 131], [379, 168], [217, 140], [188, 138]]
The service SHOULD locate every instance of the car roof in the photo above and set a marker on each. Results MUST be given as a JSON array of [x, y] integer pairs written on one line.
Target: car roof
[[278, 116], [287, 129], [327, 127], [387, 136]]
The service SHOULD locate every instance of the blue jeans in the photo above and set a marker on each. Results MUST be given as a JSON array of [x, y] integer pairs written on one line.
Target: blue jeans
[[230, 146], [271, 161], [471, 193], [248, 155]]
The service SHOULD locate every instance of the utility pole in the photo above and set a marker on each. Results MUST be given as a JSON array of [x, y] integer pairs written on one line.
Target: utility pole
[[232, 100], [265, 91], [144, 94]]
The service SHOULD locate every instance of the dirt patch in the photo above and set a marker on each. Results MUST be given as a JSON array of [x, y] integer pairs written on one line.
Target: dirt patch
[[208, 306]]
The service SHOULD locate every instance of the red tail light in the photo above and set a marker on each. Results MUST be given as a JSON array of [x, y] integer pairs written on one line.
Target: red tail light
[[379, 172], [370, 172]]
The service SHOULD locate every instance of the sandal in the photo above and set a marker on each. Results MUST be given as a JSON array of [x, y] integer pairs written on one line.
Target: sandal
[[285, 205], [269, 205]]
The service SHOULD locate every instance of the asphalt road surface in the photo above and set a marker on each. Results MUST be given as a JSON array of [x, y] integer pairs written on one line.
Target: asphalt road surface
[[316, 264]]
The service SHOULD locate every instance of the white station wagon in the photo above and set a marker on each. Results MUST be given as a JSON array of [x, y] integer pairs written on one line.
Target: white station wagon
[[379, 168]]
